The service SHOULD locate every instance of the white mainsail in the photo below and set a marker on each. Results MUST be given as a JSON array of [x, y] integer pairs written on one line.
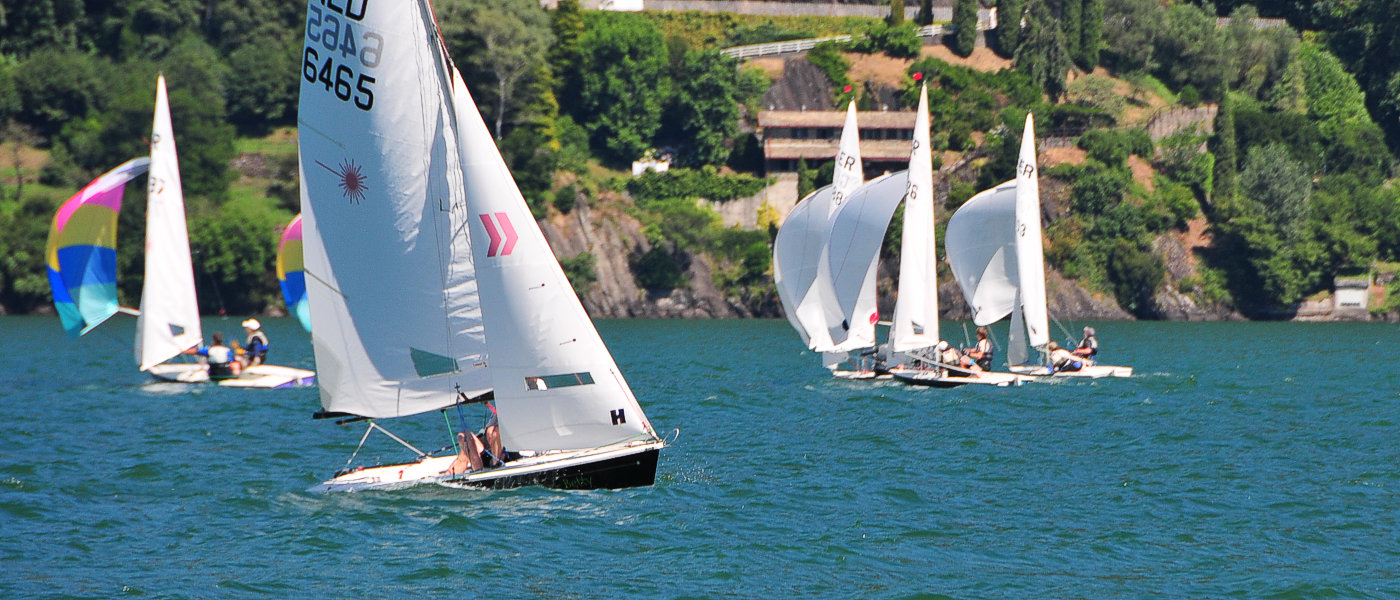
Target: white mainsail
[[915, 323], [1030, 254], [994, 247], [556, 385], [853, 252], [801, 268], [169, 321], [389, 269]]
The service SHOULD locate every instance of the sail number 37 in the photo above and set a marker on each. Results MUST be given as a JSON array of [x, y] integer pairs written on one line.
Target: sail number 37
[[346, 53]]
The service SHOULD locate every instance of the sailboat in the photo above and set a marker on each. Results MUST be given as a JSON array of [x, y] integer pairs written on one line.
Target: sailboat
[[290, 274], [914, 328], [994, 247], [82, 251], [801, 263], [431, 286], [82, 266]]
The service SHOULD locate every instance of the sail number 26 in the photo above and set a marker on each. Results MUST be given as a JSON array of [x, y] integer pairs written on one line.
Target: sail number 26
[[337, 38]]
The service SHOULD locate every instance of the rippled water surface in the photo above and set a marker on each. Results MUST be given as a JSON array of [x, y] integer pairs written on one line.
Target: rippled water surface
[[1245, 460]]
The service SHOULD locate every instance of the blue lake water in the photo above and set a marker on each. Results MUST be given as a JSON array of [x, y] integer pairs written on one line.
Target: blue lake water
[[1249, 460]]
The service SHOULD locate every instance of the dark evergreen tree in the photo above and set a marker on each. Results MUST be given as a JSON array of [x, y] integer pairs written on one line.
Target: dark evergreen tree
[[1071, 25], [1009, 14], [965, 22], [896, 16], [925, 13], [1041, 54], [1091, 37]]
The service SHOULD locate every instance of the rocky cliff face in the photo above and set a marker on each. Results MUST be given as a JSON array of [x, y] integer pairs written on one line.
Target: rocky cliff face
[[612, 236]]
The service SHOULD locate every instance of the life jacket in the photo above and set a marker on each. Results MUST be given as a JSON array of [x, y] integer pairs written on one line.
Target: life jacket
[[261, 350]]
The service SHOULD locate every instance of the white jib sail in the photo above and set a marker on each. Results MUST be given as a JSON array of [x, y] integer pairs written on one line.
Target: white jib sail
[[797, 253], [1030, 254], [915, 323], [389, 273], [981, 244], [169, 321], [557, 387], [853, 253]]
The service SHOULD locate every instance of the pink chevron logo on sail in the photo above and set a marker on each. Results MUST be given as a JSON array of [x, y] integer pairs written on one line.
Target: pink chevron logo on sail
[[505, 234]]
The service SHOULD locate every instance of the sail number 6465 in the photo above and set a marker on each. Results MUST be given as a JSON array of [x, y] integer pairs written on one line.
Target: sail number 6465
[[339, 78]]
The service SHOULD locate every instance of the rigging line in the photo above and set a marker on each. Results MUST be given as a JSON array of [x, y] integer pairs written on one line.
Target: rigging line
[[450, 435], [312, 275], [361, 445], [398, 439]]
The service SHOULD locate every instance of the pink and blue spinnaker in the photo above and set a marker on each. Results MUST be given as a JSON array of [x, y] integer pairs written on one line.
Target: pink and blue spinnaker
[[291, 273], [82, 250]]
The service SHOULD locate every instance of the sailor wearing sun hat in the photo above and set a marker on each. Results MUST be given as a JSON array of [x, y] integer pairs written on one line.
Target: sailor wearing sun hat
[[256, 344]]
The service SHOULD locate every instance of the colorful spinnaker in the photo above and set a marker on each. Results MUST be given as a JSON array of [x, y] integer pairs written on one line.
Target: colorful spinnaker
[[291, 273], [82, 250]]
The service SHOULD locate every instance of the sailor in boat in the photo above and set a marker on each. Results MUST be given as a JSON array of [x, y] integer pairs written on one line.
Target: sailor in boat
[[222, 364], [1089, 346], [1064, 360], [256, 345], [982, 352], [945, 354], [477, 451]]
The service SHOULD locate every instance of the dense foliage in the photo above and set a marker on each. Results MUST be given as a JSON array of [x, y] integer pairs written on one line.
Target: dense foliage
[[1293, 173]]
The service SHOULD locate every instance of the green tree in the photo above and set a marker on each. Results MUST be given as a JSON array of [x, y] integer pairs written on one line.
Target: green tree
[[1190, 49], [264, 97], [507, 40], [28, 25], [566, 56], [1009, 14], [1130, 33], [57, 87], [1223, 146], [1091, 34], [624, 89], [234, 253], [1071, 23], [1279, 184], [1041, 54], [703, 116], [925, 13], [896, 16], [965, 25]]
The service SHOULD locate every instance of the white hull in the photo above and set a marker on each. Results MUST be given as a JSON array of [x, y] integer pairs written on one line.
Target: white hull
[[937, 379], [260, 376], [1090, 372], [861, 375], [522, 471]]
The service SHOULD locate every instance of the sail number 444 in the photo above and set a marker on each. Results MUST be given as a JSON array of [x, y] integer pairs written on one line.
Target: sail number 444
[[338, 39]]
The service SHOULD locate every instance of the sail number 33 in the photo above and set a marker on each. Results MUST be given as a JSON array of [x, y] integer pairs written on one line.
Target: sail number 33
[[347, 55]]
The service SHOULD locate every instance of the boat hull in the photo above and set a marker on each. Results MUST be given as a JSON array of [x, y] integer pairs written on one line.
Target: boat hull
[[931, 378], [258, 376], [612, 468], [1090, 372]]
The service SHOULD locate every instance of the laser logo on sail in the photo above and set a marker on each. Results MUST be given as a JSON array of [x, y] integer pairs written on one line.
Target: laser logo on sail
[[352, 180]]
